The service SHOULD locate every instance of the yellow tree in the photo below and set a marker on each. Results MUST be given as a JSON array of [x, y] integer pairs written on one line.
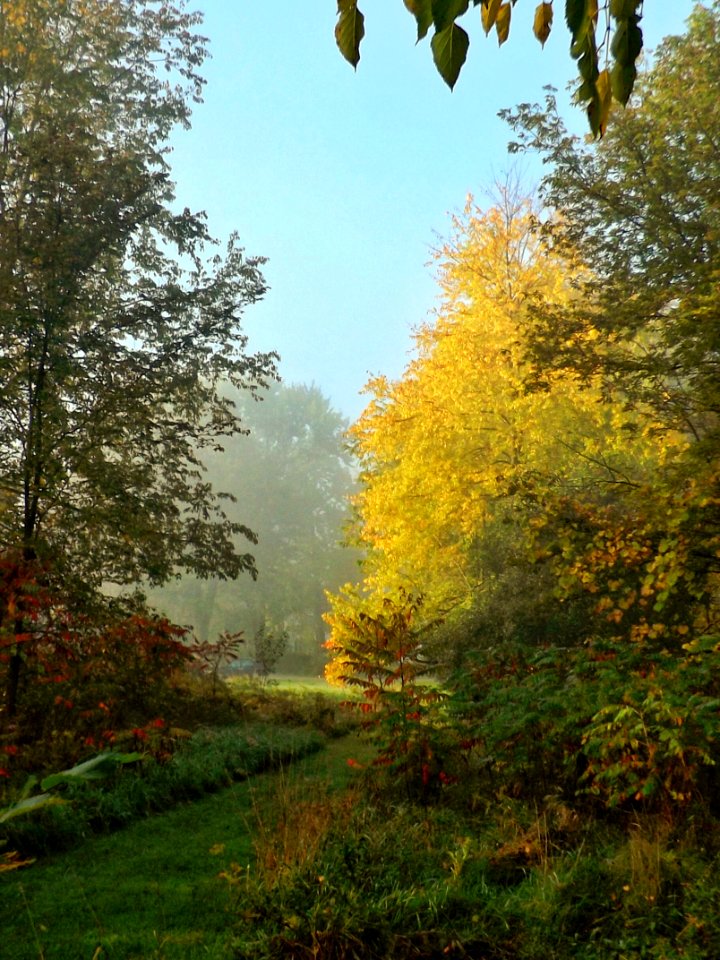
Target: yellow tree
[[459, 445]]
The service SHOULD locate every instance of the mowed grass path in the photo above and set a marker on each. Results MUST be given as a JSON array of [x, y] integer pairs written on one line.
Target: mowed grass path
[[153, 890]]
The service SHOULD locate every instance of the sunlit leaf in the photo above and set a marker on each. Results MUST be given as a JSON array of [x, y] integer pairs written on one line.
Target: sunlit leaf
[[349, 30], [488, 13], [97, 768], [543, 21], [502, 23], [604, 100], [29, 805]]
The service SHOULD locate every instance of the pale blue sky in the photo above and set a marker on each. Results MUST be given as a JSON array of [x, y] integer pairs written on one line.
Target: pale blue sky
[[345, 180]]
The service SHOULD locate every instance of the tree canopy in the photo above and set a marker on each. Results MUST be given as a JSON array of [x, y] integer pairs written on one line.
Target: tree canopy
[[605, 39], [544, 479], [118, 317], [641, 211], [292, 474]]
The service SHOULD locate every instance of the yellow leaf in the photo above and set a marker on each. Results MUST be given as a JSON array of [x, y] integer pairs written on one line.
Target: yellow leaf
[[604, 99], [502, 23], [489, 12], [543, 21]]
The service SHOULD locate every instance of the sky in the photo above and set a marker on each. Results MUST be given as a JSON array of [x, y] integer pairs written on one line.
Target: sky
[[346, 180]]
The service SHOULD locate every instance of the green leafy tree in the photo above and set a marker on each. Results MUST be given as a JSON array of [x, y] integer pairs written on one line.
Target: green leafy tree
[[291, 476], [641, 211], [600, 32], [119, 319]]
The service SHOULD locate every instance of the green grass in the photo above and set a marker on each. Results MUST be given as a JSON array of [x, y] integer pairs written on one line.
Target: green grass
[[209, 760], [152, 890]]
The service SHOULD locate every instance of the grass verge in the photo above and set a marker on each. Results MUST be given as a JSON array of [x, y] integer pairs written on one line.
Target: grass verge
[[208, 761], [152, 890]]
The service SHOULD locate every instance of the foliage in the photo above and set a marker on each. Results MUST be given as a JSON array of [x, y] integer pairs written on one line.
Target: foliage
[[564, 533], [269, 644], [204, 762], [151, 889], [291, 473], [119, 322], [88, 674], [291, 704], [600, 32], [212, 656], [640, 211], [459, 460], [353, 878], [382, 654], [97, 768]]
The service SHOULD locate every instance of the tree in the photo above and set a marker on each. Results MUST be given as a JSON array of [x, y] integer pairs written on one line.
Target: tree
[[641, 211], [116, 326], [554, 526], [458, 458], [607, 31], [292, 475]]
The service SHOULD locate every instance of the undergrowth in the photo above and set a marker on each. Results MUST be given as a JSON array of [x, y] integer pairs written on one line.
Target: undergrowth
[[353, 877], [207, 761]]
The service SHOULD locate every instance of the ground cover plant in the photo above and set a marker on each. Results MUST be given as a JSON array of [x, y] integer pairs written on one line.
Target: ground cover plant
[[202, 763], [369, 874], [152, 890]]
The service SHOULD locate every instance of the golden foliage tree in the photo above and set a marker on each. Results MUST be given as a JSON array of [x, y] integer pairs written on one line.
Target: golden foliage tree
[[458, 454]]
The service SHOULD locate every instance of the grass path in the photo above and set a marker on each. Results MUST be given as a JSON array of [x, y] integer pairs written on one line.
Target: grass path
[[151, 891]]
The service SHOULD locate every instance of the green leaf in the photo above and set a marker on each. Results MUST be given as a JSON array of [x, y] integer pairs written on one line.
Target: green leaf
[[349, 30], [446, 12], [627, 42], [422, 11], [97, 768], [450, 47], [575, 15], [623, 9], [622, 80], [29, 805]]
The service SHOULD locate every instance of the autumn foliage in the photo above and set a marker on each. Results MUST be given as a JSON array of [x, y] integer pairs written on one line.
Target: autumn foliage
[[564, 543]]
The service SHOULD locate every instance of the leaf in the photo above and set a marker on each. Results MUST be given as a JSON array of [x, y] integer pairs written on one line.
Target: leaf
[[488, 13], [450, 47], [627, 42], [422, 11], [599, 109], [502, 23], [575, 16], [97, 768], [623, 9], [349, 30], [543, 21], [445, 12], [29, 805], [622, 80]]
